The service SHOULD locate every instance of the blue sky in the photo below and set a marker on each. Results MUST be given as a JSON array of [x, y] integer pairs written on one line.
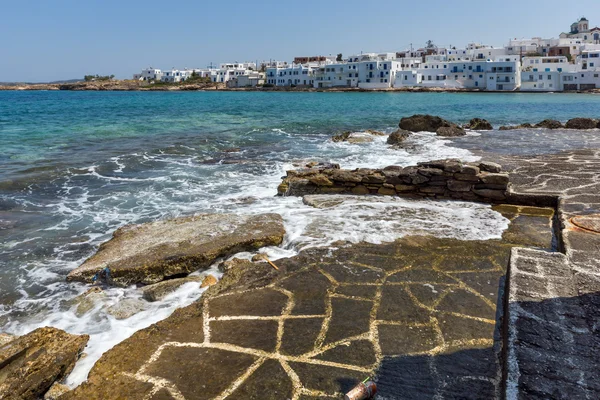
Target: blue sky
[[44, 40]]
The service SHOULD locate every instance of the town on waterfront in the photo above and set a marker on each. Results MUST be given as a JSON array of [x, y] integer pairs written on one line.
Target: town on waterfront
[[569, 63]]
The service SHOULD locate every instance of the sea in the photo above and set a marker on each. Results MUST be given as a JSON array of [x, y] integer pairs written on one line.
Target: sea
[[75, 166]]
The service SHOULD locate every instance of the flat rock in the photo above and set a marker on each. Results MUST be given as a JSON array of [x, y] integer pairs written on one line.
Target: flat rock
[[30, 364], [550, 124], [149, 253], [88, 300], [127, 308], [57, 390], [159, 291]]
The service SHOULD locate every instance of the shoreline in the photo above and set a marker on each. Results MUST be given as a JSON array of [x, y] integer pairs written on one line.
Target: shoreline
[[128, 86]]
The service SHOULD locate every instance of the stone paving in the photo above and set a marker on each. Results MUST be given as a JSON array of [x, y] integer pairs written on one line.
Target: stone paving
[[419, 314], [553, 338]]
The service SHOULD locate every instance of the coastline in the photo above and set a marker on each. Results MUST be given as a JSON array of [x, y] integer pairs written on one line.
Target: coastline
[[133, 86]]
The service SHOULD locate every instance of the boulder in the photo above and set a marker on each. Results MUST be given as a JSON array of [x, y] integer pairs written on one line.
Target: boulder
[[423, 123], [478, 124], [30, 364], [581, 123], [160, 290], [550, 124], [512, 127], [451, 131], [127, 308], [149, 253], [398, 136]]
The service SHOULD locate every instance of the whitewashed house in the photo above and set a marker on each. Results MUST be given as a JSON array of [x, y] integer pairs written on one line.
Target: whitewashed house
[[291, 75], [149, 74]]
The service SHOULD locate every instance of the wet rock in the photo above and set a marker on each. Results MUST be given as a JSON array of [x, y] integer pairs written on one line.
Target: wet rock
[[317, 201], [352, 137], [6, 338], [57, 390], [159, 291], [450, 131], [127, 308], [512, 127], [581, 123], [259, 257], [209, 280], [398, 136], [88, 300], [550, 124], [30, 364], [423, 123], [374, 133], [478, 124], [149, 253]]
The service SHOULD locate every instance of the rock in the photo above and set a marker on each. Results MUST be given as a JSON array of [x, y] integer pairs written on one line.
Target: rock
[[353, 137], [159, 291], [232, 150], [423, 123], [259, 257], [581, 123], [127, 308], [491, 194], [550, 124], [451, 131], [88, 300], [320, 180], [398, 136], [6, 338], [460, 186], [374, 133], [495, 179], [469, 170], [478, 124], [149, 253], [57, 390], [490, 166], [360, 190], [512, 127], [208, 281], [30, 364], [317, 201], [386, 191]]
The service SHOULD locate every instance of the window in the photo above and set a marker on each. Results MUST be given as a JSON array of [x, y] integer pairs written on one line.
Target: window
[[549, 77]]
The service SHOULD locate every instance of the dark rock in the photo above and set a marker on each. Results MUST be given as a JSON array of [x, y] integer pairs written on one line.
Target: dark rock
[[423, 123], [460, 186], [149, 253], [469, 170], [398, 136], [550, 124], [478, 124], [490, 194], [30, 364], [450, 131], [581, 123], [360, 190]]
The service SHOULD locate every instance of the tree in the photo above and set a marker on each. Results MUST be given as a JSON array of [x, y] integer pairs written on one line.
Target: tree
[[430, 45], [339, 57]]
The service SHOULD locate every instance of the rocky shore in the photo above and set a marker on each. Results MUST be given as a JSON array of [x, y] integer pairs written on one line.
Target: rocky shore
[[513, 318], [131, 85]]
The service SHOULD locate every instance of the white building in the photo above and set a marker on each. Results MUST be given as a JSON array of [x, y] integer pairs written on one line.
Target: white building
[[175, 75], [292, 75], [149, 74]]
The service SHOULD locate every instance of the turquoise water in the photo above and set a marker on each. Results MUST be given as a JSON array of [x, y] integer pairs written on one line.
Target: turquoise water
[[75, 166]]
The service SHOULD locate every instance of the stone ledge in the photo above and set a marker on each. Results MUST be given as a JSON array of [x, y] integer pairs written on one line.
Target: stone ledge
[[441, 179]]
